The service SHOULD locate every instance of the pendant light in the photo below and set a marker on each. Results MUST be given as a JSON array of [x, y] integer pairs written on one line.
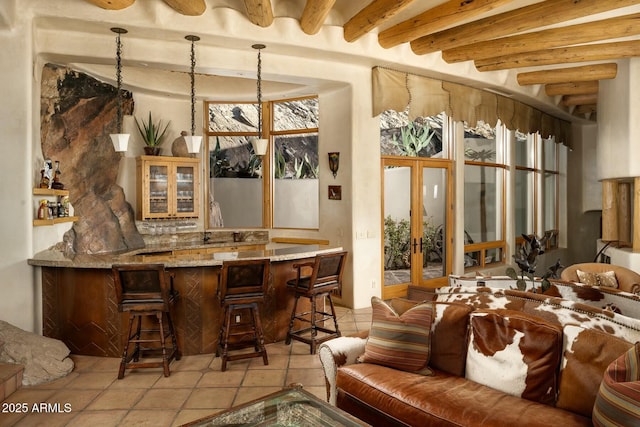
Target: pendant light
[[259, 144], [193, 141], [120, 140]]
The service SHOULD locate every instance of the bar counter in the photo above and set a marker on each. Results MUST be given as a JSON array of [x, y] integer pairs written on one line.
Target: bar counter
[[80, 307]]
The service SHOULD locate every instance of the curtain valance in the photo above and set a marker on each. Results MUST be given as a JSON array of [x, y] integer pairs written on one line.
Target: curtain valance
[[395, 90]]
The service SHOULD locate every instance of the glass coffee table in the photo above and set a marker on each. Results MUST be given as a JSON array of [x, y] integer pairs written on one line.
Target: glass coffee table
[[289, 407]]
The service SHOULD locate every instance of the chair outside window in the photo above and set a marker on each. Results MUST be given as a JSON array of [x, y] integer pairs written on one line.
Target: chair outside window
[[146, 290], [243, 285], [325, 277]]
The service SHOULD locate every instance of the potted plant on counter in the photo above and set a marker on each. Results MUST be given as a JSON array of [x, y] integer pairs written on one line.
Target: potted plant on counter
[[153, 134]]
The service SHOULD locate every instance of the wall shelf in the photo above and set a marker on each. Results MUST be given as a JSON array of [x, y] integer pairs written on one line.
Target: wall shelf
[[52, 192]]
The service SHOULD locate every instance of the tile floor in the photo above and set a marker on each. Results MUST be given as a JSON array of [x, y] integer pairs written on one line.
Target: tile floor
[[196, 388]]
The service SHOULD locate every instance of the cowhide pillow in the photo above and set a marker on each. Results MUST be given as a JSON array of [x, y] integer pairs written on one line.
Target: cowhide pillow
[[618, 399], [515, 353], [586, 355], [400, 342], [607, 278]]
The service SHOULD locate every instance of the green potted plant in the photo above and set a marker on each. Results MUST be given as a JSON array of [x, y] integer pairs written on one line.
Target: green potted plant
[[152, 134]]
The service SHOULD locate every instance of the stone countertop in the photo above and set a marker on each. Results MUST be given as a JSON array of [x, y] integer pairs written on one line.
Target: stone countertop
[[55, 258]]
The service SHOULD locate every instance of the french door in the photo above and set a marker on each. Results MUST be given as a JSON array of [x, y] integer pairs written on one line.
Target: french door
[[417, 229]]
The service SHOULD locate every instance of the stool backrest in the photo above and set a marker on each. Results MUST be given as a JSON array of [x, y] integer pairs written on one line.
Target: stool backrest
[[328, 269], [144, 285], [244, 278]]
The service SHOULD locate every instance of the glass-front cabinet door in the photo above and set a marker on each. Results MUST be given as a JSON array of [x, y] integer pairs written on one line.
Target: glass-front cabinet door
[[168, 187], [185, 191], [158, 191]]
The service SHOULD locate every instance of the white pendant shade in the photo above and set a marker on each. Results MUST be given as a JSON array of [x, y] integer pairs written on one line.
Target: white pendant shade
[[193, 143], [120, 141], [260, 146]]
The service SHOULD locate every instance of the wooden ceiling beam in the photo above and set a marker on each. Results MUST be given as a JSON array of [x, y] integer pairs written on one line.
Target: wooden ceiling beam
[[565, 55], [574, 74], [374, 14], [556, 37], [112, 4], [585, 109], [572, 88], [571, 100], [188, 7], [314, 14], [259, 12], [438, 18], [526, 18]]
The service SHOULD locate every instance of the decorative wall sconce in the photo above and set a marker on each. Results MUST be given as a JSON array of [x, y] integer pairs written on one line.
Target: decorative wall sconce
[[120, 140], [193, 141], [259, 144], [334, 162]]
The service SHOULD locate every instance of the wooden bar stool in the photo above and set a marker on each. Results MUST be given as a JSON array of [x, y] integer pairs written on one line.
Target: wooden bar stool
[[243, 285], [325, 277], [146, 290]]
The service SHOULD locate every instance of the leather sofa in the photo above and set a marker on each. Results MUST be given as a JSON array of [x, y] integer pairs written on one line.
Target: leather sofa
[[628, 280], [498, 357]]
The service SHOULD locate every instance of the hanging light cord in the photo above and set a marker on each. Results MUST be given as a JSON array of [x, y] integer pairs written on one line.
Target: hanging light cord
[[119, 82], [193, 85], [259, 84]]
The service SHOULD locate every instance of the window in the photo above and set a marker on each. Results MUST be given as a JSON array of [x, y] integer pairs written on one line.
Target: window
[[235, 170], [420, 138], [484, 177], [551, 178], [525, 179], [296, 183]]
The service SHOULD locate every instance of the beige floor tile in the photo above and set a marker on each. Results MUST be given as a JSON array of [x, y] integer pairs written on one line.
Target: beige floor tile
[[184, 379], [264, 377], [276, 361], [164, 398], [221, 379], [77, 399], [304, 362], [11, 419], [44, 420], [107, 364], [212, 398], [306, 377], [278, 348], [190, 415], [117, 399], [235, 365], [192, 363], [98, 419], [83, 363], [319, 392], [59, 383], [93, 380], [150, 418], [247, 394], [30, 396], [137, 380]]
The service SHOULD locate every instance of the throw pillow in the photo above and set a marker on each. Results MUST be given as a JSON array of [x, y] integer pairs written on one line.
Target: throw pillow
[[400, 342], [607, 278], [449, 333], [586, 355], [618, 399], [515, 353]]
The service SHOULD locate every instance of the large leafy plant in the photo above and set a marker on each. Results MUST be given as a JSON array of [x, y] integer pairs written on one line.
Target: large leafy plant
[[413, 139], [152, 133]]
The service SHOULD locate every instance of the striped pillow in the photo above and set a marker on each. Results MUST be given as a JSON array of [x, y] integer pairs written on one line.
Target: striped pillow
[[400, 342], [618, 401]]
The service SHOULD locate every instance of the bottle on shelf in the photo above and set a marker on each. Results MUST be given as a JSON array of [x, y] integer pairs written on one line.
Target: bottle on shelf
[[43, 209]]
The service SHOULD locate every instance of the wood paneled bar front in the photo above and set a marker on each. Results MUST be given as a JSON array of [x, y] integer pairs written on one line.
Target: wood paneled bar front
[[80, 308]]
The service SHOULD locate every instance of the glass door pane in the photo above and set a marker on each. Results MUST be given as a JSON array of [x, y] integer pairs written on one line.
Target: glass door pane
[[434, 220], [185, 190], [397, 226]]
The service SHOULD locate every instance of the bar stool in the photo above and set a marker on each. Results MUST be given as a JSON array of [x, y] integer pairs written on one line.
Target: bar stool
[[243, 284], [325, 277], [146, 290]]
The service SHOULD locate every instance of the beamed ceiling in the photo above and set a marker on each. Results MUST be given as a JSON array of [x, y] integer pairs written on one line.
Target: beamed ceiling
[[566, 45]]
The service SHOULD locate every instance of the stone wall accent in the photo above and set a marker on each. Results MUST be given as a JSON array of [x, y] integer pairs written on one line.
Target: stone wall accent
[[44, 359], [78, 113]]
